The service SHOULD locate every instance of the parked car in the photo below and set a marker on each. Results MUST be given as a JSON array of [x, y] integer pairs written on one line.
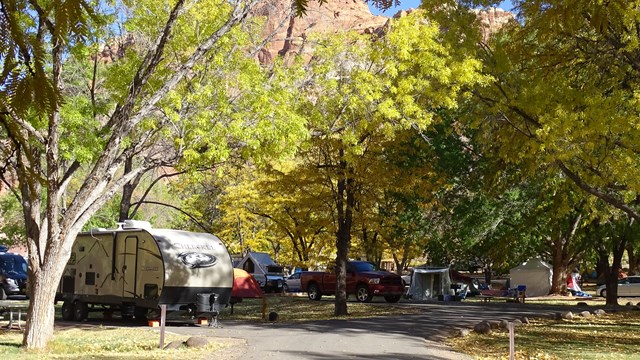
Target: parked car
[[629, 286], [364, 281], [13, 274], [292, 283]]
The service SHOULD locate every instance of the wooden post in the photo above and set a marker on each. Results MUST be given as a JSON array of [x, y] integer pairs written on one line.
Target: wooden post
[[163, 317], [511, 340], [264, 307]]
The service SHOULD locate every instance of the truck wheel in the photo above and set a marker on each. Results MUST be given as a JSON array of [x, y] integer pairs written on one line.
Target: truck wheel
[[67, 310], [603, 293], [80, 311], [314, 292], [392, 298], [141, 313], [362, 293]]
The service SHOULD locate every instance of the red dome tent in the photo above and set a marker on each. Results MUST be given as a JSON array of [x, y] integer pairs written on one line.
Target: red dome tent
[[245, 286]]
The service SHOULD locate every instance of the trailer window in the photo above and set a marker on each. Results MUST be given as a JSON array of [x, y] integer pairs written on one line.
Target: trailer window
[[90, 278], [150, 291]]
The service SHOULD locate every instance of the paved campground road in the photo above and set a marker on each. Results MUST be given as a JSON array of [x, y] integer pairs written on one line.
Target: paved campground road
[[416, 336]]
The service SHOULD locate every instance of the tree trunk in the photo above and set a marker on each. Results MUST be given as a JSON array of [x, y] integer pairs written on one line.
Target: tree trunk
[[48, 256], [634, 261], [619, 243], [401, 263], [610, 277], [40, 320], [344, 205], [559, 279], [560, 268], [487, 275], [563, 256], [125, 202]]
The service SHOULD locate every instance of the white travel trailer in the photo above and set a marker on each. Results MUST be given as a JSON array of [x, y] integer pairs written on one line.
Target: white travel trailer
[[134, 269]]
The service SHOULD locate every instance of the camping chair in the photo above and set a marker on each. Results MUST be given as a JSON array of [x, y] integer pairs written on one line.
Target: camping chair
[[459, 291]]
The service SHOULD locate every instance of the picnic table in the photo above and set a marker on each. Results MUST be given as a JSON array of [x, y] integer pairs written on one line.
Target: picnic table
[[16, 309], [516, 295]]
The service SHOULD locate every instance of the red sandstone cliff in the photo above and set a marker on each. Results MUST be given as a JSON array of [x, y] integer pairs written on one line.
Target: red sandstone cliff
[[287, 34]]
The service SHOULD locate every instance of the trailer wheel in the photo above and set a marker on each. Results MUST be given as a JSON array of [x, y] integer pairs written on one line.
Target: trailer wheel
[[80, 311], [3, 294], [314, 292], [141, 313], [67, 310]]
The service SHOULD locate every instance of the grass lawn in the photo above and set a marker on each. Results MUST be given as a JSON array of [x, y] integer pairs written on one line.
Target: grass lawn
[[105, 343], [611, 336]]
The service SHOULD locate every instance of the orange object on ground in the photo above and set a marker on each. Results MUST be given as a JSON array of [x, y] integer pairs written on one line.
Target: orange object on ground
[[245, 285]]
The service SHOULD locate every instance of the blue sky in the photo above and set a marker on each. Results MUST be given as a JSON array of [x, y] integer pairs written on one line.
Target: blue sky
[[409, 4]]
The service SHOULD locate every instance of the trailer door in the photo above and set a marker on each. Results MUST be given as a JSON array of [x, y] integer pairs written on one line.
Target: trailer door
[[128, 258]]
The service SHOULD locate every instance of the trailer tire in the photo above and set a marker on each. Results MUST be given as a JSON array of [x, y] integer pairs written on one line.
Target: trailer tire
[[80, 311], [314, 292], [67, 310], [141, 313], [3, 294]]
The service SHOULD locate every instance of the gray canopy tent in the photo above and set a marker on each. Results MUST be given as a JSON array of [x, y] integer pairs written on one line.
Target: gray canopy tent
[[430, 283]]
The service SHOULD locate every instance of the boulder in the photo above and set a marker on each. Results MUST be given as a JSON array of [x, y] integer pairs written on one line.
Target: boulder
[[461, 332], [525, 320], [273, 316], [482, 327], [517, 322], [504, 324], [586, 314], [197, 341], [567, 315], [494, 324], [599, 312]]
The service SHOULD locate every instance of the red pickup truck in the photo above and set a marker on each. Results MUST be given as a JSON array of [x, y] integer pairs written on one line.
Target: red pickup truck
[[363, 280]]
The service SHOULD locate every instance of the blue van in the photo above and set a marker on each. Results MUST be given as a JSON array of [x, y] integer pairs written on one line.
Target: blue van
[[13, 274]]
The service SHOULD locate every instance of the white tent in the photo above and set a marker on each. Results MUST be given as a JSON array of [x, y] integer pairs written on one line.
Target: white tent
[[535, 274], [429, 283]]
